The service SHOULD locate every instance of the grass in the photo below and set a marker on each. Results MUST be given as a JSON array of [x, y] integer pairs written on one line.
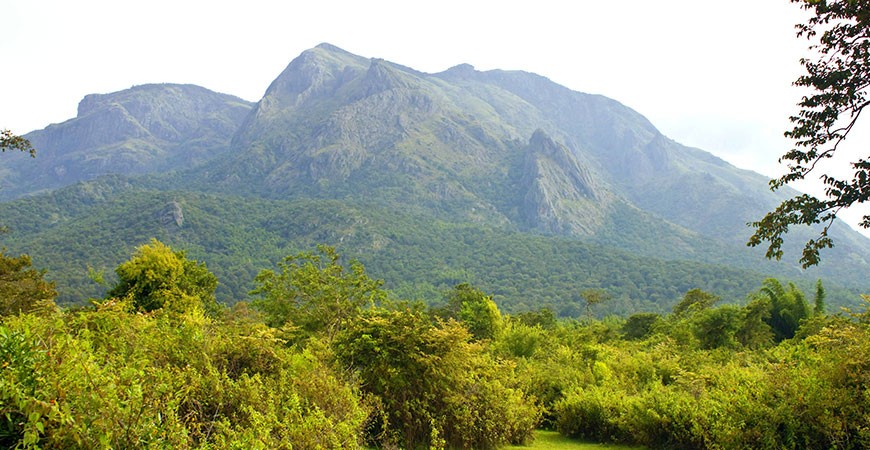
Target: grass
[[554, 440]]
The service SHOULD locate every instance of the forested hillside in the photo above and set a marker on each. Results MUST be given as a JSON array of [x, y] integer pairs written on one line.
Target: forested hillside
[[67, 233]]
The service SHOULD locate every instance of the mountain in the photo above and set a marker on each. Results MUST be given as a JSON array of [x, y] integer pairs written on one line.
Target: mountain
[[507, 153], [145, 129], [468, 145]]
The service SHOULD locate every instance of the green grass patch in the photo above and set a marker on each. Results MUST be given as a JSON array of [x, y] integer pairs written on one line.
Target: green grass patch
[[554, 440]]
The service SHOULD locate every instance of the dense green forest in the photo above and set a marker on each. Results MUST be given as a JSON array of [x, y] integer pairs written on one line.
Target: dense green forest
[[322, 356], [417, 256]]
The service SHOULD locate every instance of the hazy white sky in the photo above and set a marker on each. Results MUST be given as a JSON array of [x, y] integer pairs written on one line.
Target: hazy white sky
[[711, 74]]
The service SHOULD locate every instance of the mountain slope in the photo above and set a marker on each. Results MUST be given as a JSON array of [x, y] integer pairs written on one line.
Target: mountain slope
[[419, 257], [335, 125], [145, 129], [507, 152]]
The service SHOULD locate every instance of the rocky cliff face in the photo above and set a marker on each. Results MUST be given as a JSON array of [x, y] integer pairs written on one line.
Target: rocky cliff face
[[562, 196], [171, 214], [144, 129]]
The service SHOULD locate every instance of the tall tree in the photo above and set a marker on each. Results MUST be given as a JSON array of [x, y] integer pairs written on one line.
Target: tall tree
[[315, 292], [755, 332], [156, 277], [819, 301], [476, 310], [838, 75], [788, 307]]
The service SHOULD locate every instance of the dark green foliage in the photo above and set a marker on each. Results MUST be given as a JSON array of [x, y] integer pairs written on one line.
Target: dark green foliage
[[543, 317], [788, 307], [418, 257], [23, 289], [474, 309], [640, 325], [717, 328], [755, 333], [819, 306]]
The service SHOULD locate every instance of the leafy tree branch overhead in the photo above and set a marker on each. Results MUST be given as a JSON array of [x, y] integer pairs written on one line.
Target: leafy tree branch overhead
[[839, 77], [10, 141]]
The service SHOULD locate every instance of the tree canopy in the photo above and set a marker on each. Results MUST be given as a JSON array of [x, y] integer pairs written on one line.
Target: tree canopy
[[315, 292], [22, 288], [475, 309], [838, 75], [156, 277]]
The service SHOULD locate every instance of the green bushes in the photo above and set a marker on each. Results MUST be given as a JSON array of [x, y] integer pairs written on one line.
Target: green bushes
[[324, 360], [436, 387], [709, 389], [108, 378], [591, 413]]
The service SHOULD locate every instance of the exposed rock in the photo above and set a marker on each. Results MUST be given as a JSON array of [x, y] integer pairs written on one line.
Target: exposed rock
[[561, 195], [144, 129], [170, 214]]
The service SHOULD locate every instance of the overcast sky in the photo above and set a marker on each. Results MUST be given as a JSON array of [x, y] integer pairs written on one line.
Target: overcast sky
[[710, 74]]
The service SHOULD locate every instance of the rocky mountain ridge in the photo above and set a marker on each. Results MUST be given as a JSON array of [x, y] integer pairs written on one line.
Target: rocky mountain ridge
[[504, 149], [145, 129]]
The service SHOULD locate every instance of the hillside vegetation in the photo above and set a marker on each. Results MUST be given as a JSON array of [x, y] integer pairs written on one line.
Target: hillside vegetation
[[419, 257], [322, 357]]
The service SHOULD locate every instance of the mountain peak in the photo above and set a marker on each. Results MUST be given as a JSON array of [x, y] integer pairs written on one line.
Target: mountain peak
[[92, 102], [330, 48], [381, 75], [459, 72], [314, 70], [540, 139]]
